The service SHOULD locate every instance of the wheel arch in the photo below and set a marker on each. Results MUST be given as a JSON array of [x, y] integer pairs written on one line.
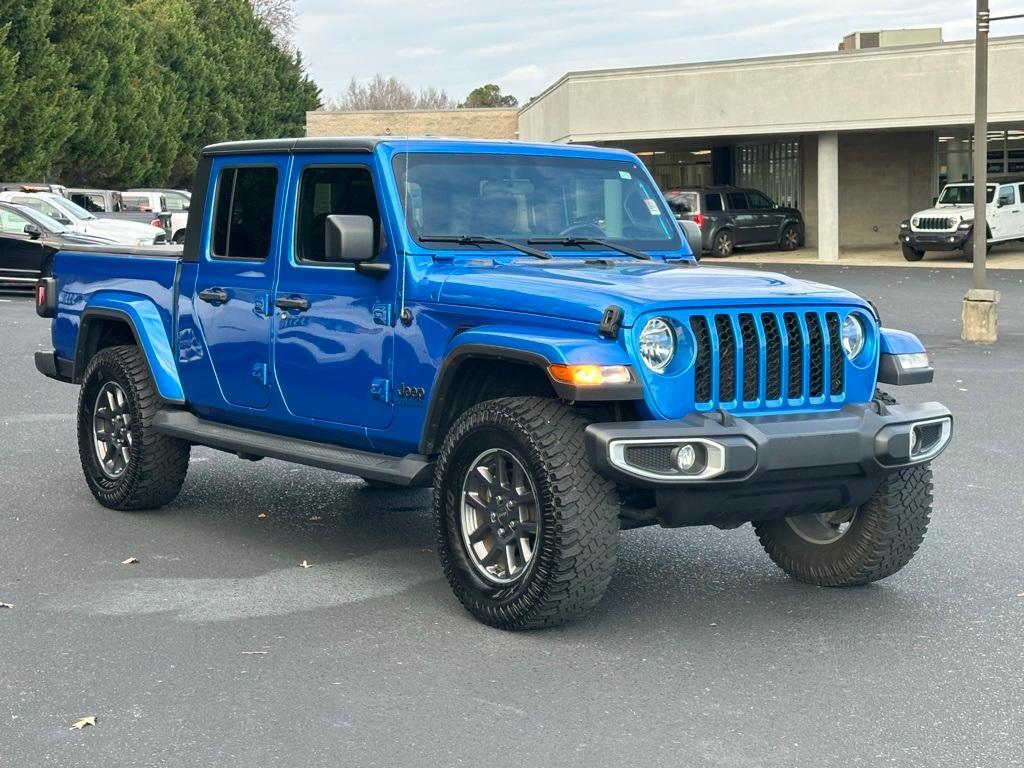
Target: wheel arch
[[478, 369], [110, 321]]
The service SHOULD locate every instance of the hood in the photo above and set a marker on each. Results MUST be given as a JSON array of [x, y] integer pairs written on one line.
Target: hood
[[946, 212], [576, 290]]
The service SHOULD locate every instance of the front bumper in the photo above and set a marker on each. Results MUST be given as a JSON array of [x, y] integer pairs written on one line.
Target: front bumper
[[763, 467], [934, 241]]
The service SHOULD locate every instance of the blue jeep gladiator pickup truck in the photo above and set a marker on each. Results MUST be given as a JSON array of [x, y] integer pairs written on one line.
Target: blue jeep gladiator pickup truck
[[524, 327]]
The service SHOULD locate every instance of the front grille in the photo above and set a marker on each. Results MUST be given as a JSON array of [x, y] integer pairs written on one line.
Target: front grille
[[749, 360], [933, 222]]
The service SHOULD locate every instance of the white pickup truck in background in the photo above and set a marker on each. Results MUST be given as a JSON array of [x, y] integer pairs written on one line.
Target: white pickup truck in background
[[949, 224], [172, 201]]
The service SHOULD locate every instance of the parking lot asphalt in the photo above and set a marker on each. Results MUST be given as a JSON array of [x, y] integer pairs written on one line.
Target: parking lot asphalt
[[217, 649]]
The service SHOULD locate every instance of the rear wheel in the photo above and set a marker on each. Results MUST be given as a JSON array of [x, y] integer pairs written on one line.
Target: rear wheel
[[790, 239], [127, 464], [723, 245], [912, 254], [527, 532]]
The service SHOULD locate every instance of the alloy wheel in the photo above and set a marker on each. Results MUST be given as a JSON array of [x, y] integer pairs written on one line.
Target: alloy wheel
[[825, 527], [111, 426], [500, 517]]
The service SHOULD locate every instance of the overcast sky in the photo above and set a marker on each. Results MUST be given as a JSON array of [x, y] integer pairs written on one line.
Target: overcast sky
[[524, 46]]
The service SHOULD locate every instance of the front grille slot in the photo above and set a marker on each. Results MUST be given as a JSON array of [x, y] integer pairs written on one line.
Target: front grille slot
[[767, 358]]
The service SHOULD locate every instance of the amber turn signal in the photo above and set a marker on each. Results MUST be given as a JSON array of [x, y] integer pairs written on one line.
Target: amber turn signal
[[590, 375]]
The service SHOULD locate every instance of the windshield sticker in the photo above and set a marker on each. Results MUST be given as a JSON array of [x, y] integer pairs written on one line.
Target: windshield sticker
[[652, 207], [625, 175]]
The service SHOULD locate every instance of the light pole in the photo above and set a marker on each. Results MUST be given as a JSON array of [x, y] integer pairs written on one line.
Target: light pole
[[979, 306]]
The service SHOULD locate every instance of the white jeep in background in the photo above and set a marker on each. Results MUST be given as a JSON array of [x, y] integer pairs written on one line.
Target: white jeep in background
[[949, 224]]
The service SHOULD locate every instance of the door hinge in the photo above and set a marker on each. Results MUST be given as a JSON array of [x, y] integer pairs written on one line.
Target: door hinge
[[383, 314], [381, 390], [259, 372]]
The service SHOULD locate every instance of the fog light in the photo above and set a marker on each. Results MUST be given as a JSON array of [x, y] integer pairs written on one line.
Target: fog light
[[685, 457]]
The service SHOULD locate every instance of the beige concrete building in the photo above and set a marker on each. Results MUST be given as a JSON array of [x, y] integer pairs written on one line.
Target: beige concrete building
[[857, 138], [470, 123]]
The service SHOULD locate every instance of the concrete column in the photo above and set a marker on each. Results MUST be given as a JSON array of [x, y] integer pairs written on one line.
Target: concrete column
[[828, 196]]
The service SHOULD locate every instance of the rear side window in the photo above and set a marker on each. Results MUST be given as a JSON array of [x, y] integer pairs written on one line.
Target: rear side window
[[737, 200], [243, 214], [713, 203]]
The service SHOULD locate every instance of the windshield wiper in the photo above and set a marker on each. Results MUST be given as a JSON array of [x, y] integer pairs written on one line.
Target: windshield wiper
[[483, 239], [581, 241]]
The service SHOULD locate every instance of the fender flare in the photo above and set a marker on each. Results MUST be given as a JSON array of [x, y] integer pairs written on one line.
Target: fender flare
[[538, 350], [143, 318]]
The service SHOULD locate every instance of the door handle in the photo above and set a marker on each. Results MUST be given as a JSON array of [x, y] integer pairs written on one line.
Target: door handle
[[296, 303], [214, 295]]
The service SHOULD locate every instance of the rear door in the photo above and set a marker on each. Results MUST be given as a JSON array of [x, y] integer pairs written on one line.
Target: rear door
[[333, 353], [1004, 223], [235, 274], [744, 222]]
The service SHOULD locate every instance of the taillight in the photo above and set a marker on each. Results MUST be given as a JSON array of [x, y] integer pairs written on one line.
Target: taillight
[[698, 219], [46, 297], [156, 223]]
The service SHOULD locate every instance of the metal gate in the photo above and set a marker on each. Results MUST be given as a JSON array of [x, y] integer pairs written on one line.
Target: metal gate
[[774, 168]]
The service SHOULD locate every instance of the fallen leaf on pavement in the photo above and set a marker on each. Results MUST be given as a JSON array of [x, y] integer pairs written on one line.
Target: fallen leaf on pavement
[[315, 519], [1020, 595], [6, 605], [304, 564], [130, 561], [80, 724], [255, 653], [261, 515]]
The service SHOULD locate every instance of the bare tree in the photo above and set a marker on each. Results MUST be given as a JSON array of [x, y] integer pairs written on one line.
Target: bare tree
[[279, 17], [388, 93]]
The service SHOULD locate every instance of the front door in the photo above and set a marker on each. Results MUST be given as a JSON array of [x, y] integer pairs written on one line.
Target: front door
[[20, 255], [235, 275], [1007, 215], [766, 215], [334, 338]]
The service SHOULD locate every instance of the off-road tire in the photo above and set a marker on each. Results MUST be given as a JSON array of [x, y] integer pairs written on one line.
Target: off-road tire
[[968, 247], [883, 537], [790, 238], [578, 539], [912, 254], [157, 466], [723, 244]]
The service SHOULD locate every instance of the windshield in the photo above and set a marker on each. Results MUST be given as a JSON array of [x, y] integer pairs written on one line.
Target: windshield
[[963, 195], [47, 222], [76, 210], [524, 198]]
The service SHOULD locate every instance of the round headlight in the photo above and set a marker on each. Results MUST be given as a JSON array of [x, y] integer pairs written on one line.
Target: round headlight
[[853, 336], [657, 344]]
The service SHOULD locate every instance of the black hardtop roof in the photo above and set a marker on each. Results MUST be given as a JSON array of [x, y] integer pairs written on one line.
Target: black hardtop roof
[[335, 144]]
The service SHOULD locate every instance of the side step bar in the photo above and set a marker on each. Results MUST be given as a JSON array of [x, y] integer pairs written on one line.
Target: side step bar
[[411, 470]]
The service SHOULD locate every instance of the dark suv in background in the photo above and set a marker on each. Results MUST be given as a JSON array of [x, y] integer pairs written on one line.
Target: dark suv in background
[[733, 217]]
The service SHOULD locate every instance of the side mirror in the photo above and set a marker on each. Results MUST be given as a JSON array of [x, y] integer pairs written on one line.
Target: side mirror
[[694, 239], [33, 231], [349, 240], [1003, 201]]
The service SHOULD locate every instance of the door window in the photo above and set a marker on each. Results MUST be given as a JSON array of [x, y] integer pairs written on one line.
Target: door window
[[1006, 195], [39, 204], [737, 201], [713, 203], [243, 214], [12, 223], [757, 201], [328, 191]]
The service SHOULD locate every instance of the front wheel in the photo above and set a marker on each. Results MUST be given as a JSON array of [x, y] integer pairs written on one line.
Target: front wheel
[[126, 463], [853, 546], [968, 248], [790, 239], [912, 254], [527, 532]]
